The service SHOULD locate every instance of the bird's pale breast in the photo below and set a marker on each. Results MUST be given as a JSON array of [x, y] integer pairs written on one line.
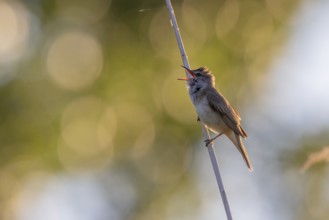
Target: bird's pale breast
[[208, 117]]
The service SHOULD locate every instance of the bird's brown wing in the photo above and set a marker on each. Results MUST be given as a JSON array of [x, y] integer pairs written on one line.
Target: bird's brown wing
[[229, 115]]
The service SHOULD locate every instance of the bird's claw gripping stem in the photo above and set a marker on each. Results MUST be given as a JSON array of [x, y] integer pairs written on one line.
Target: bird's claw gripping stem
[[208, 141]]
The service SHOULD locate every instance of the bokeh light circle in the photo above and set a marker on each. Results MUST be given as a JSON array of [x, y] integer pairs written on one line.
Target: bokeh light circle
[[227, 18], [176, 101], [74, 60], [14, 28], [88, 126]]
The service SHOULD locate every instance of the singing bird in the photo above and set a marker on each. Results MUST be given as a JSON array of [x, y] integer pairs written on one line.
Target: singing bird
[[214, 111]]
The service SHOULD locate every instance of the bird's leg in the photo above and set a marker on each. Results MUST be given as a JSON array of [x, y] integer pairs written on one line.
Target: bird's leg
[[198, 119], [208, 141]]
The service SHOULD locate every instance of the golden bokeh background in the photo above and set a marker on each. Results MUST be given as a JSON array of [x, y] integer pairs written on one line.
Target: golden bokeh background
[[94, 124]]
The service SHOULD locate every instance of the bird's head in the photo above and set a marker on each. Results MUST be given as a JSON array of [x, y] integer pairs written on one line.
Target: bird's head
[[201, 76]]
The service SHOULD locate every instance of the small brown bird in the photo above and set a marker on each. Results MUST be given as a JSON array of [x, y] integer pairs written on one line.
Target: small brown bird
[[214, 111]]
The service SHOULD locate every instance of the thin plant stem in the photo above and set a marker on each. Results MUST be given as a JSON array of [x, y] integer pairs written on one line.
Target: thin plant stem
[[205, 131]]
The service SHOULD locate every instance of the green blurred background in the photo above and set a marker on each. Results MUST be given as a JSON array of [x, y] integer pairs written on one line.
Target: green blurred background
[[94, 124]]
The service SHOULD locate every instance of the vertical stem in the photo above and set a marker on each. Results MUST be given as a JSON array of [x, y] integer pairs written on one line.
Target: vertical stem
[[205, 131], [178, 36], [215, 166]]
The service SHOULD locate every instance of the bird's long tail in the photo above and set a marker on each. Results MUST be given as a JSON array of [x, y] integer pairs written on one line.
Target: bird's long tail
[[236, 139]]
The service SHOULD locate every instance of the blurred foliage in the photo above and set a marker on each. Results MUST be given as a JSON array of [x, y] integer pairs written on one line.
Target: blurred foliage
[[89, 86]]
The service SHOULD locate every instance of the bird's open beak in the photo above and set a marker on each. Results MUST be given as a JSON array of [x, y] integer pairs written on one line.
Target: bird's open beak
[[188, 71]]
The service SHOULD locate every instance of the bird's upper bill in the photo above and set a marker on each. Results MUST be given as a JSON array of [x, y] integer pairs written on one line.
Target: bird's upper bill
[[189, 72]]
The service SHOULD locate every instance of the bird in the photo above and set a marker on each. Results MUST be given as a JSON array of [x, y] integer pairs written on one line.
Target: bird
[[214, 111]]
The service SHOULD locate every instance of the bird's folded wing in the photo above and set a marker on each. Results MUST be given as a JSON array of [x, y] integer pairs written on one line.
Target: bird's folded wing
[[229, 115]]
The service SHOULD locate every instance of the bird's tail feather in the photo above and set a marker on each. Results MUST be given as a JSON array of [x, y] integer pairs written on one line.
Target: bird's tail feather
[[240, 146]]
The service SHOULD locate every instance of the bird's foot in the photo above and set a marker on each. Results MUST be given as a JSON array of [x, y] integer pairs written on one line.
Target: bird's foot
[[208, 141]]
